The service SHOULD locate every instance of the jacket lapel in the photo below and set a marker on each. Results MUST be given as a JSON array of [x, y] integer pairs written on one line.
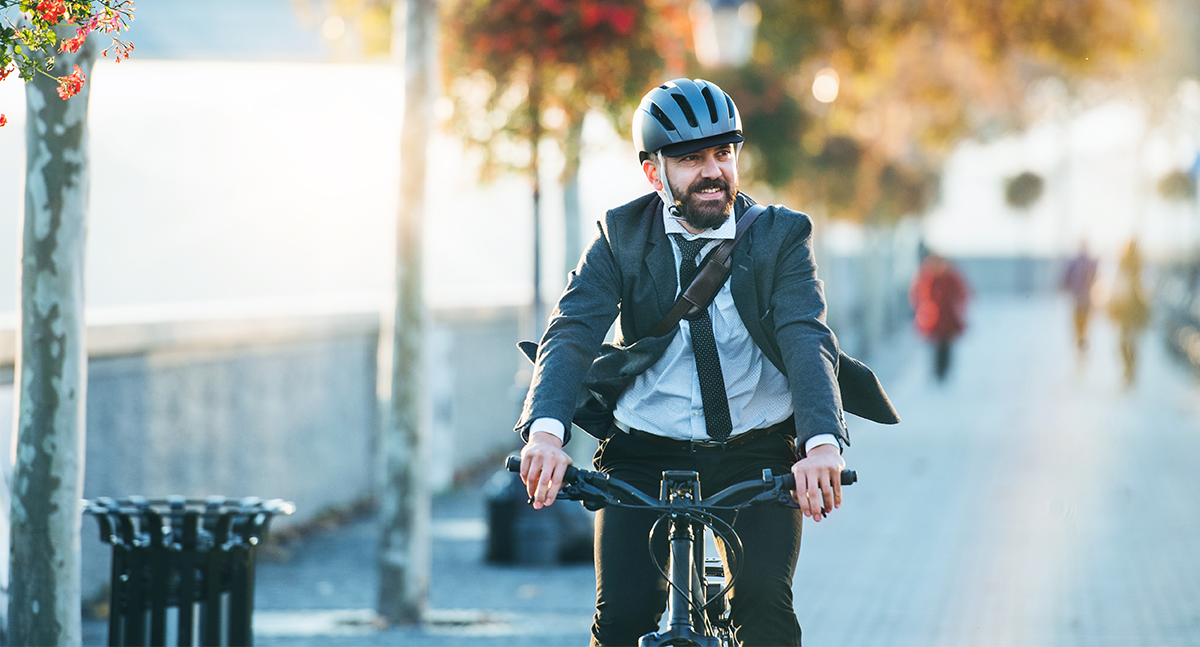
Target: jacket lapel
[[743, 285], [741, 281], [660, 265]]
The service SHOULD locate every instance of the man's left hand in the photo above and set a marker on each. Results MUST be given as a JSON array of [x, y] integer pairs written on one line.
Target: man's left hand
[[819, 481]]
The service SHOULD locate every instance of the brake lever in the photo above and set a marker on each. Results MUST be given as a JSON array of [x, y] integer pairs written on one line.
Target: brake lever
[[780, 494], [592, 497], [773, 493]]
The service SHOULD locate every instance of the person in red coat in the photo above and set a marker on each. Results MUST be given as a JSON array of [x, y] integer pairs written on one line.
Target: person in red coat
[[939, 297]]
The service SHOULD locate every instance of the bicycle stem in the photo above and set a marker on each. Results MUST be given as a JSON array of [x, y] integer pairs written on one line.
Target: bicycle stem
[[679, 604]]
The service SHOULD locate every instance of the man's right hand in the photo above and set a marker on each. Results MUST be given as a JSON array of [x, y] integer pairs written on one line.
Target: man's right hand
[[543, 463]]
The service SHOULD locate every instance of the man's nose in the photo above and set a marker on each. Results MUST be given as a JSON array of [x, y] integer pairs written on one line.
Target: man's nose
[[710, 169]]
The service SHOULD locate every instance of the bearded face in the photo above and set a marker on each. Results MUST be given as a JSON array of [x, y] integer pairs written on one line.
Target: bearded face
[[706, 202]]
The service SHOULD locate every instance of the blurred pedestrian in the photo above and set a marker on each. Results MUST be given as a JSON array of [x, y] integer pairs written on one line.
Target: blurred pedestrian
[[1077, 281], [939, 296], [1129, 307]]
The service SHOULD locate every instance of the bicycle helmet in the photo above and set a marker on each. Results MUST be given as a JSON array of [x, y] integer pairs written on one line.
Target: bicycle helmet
[[684, 116]]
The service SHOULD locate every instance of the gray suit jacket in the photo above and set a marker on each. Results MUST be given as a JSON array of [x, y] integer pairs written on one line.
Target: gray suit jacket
[[629, 272]]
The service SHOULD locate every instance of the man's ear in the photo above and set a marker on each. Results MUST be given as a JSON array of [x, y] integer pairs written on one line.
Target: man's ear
[[651, 171]]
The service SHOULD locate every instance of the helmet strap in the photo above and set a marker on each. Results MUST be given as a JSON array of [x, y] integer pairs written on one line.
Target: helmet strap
[[665, 192]]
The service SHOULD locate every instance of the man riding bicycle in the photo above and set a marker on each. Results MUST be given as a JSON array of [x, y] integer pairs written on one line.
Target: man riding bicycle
[[750, 383]]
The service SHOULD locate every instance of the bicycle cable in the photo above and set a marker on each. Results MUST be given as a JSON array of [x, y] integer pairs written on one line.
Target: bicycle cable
[[733, 554]]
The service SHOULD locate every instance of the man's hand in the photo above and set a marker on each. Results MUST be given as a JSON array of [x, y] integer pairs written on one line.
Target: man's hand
[[543, 463], [819, 481]]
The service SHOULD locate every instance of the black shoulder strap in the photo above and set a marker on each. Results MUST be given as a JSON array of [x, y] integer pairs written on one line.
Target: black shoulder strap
[[710, 277]]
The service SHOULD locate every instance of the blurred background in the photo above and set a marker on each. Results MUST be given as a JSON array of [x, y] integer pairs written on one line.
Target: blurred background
[[245, 189]]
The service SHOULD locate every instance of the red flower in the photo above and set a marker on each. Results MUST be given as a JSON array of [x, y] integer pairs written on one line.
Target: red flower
[[622, 20], [121, 48], [110, 23], [69, 86], [52, 11], [3, 120], [72, 45], [5, 71], [591, 15]]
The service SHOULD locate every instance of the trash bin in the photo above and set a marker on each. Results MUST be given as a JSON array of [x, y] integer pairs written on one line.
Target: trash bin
[[183, 569], [518, 534]]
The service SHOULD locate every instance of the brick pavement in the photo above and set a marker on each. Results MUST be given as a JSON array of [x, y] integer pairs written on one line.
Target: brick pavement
[[1029, 501]]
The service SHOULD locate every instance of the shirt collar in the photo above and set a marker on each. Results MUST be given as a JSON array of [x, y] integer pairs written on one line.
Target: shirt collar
[[727, 230]]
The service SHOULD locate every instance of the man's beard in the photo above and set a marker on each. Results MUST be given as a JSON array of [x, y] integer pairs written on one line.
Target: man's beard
[[704, 214]]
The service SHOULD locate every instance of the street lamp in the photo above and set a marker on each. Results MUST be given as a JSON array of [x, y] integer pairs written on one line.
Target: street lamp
[[723, 31]]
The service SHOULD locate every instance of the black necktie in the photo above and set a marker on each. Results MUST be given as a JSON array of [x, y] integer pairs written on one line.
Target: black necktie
[[704, 348]]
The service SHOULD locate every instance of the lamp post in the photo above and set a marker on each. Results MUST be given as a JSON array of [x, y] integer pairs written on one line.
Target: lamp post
[[723, 31]]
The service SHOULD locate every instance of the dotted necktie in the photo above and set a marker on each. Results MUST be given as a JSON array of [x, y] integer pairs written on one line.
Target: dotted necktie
[[704, 348]]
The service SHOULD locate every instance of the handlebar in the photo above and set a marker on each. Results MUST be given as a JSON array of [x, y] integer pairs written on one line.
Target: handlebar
[[597, 490]]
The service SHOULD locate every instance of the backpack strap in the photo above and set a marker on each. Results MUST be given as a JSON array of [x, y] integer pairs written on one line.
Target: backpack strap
[[709, 279]]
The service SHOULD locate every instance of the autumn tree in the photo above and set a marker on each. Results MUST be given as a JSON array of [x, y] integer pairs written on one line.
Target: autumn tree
[[519, 71], [904, 82]]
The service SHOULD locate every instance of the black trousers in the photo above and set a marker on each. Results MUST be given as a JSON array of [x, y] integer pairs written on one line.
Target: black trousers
[[631, 594]]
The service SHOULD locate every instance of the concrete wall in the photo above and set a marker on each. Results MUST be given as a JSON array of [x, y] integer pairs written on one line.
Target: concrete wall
[[866, 287], [276, 407], [293, 420], [477, 381]]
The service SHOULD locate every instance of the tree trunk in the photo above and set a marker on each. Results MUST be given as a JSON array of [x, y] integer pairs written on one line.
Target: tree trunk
[[535, 138], [404, 561], [51, 367], [573, 221]]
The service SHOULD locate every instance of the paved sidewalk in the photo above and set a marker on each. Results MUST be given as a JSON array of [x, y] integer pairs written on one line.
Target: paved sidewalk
[[329, 586]]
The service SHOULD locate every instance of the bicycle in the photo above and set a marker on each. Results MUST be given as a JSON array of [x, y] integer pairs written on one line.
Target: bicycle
[[698, 613]]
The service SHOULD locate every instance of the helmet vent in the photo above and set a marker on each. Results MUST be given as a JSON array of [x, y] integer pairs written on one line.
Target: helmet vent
[[661, 116], [729, 103], [712, 105], [688, 113]]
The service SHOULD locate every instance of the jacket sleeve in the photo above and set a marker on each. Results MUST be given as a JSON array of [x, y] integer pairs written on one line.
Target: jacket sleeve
[[577, 328], [808, 347]]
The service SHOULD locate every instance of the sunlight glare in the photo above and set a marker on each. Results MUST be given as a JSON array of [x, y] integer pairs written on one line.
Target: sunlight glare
[[825, 86], [333, 28]]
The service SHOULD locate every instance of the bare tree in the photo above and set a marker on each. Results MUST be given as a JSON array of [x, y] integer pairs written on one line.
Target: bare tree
[[404, 511]]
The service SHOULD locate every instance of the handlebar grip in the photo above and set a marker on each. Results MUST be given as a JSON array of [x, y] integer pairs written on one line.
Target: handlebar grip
[[849, 477], [513, 464]]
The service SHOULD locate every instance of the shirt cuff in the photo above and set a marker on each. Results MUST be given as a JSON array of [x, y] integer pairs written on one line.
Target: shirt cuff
[[809, 445], [551, 426]]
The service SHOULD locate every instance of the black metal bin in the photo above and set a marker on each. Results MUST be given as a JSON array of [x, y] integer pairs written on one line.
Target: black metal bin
[[183, 569]]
